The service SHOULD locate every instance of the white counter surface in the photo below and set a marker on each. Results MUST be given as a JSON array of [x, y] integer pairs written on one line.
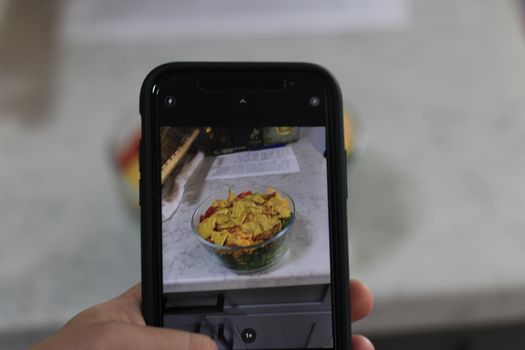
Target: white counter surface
[[188, 266], [437, 200]]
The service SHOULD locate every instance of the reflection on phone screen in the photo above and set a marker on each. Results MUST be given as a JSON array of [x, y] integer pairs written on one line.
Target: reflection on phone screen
[[245, 235]]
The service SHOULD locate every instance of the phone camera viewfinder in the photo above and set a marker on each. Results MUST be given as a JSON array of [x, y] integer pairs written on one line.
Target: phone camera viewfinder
[[315, 101], [170, 101]]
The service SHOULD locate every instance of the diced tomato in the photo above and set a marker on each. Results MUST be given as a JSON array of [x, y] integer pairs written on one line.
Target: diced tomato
[[243, 194], [207, 214]]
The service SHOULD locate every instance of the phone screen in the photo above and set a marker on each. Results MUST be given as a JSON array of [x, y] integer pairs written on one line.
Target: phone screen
[[245, 235]]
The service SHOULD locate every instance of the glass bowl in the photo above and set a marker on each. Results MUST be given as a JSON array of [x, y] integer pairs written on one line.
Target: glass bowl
[[246, 259]]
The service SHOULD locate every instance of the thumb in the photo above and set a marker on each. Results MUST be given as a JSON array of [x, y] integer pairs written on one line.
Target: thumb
[[140, 337]]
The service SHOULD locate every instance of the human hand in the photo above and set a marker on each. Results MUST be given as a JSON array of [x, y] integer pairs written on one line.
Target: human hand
[[118, 324], [361, 303]]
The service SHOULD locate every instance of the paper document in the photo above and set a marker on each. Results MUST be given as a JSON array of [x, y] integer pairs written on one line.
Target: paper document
[[279, 160], [163, 21]]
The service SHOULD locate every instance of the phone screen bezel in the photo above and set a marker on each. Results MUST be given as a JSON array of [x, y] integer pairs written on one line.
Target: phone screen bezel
[[269, 103]]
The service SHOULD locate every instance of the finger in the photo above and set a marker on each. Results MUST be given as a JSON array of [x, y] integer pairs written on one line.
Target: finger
[[139, 338], [361, 300], [134, 293], [361, 343], [127, 306]]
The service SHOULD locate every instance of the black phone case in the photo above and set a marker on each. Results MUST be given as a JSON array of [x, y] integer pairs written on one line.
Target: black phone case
[[151, 249]]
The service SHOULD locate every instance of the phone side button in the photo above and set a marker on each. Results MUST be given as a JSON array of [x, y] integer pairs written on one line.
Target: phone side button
[[140, 173], [346, 180]]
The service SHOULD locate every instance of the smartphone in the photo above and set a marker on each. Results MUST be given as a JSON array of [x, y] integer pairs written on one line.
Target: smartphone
[[243, 204]]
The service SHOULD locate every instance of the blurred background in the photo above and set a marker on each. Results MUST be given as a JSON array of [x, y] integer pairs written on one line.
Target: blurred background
[[436, 89]]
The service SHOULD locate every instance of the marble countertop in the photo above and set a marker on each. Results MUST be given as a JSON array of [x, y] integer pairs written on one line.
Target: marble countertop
[[188, 266], [436, 201]]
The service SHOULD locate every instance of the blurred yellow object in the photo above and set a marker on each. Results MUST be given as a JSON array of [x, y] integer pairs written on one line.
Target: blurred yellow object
[[125, 156], [131, 173]]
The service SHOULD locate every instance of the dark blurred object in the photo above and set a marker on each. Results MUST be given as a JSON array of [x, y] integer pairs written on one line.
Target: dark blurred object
[[495, 337], [24, 338], [229, 140], [27, 46]]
